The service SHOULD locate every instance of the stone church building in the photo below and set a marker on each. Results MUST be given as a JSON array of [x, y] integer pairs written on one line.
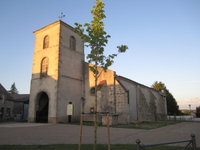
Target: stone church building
[[60, 76]]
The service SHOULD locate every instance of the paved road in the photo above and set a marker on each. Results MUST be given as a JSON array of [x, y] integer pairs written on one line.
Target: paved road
[[35, 133]]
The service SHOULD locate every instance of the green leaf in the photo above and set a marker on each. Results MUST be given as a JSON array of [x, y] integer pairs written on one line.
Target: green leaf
[[122, 48]]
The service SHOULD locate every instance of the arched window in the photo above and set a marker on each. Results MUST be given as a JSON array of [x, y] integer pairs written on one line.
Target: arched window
[[72, 43], [46, 42], [44, 67]]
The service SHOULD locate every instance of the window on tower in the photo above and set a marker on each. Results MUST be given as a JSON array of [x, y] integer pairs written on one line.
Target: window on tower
[[72, 43], [46, 42], [44, 67], [92, 91]]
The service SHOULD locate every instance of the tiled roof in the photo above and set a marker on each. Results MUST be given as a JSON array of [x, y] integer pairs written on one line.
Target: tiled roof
[[124, 78], [53, 24], [21, 97], [101, 83]]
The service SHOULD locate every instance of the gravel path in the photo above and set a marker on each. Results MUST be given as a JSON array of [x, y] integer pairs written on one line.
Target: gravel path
[[41, 134]]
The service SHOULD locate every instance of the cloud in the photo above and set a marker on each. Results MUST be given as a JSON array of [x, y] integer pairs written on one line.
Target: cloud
[[191, 81], [194, 102]]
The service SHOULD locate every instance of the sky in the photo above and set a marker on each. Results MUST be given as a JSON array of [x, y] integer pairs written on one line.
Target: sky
[[163, 37]]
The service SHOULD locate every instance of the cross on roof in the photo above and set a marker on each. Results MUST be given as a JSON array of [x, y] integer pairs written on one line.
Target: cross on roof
[[60, 17]]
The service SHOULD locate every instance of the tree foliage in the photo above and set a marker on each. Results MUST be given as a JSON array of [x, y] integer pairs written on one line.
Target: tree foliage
[[172, 106], [96, 38], [13, 89], [158, 85]]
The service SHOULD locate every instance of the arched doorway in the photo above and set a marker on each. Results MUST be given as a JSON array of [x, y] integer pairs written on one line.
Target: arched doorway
[[42, 108]]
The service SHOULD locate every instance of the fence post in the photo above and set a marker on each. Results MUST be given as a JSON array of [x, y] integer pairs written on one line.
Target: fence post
[[193, 142], [175, 116], [138, 144], [165, 119]]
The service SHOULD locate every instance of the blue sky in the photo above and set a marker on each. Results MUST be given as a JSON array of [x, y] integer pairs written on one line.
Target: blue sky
[[163, 39]]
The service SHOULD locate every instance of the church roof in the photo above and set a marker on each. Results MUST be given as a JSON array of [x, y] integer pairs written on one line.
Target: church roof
[[21, 97], [129, 80], [53, 24]]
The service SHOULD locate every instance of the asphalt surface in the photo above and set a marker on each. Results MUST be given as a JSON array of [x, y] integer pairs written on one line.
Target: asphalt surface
[[42, 134]]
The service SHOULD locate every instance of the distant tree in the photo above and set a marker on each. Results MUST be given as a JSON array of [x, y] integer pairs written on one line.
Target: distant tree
[[198, 111], [185, 112], [13, 89], [158, 85], [172, 106], [96, 38]]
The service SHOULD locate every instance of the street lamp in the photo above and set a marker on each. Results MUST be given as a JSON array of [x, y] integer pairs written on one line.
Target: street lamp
[[163, 91], [163, 94]]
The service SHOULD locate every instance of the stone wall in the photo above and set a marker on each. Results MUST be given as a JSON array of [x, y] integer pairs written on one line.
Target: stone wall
[[161, 114], [70, 73], [111, 99], [113, 120], [160, 104], [102, 97], [105, 98], [144, 111], [122, 105]]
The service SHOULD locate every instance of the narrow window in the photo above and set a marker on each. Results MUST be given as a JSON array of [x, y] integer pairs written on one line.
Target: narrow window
[[46, 42], [92, 91], [128, 97], [8, 112], [92, 110], [72, 43], [44, 67]]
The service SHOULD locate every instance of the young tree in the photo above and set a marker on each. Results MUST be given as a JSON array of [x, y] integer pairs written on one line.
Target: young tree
[[13, 89], [96, 38], [172, 106]]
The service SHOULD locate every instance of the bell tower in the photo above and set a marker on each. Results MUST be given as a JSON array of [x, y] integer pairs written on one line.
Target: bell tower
[[57, 73]]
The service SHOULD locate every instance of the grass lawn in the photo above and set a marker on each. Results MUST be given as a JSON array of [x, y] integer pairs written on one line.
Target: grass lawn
[[85, 147], [143, 125]]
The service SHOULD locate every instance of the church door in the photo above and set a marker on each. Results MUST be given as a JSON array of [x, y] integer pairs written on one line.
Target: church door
[[42, 112]]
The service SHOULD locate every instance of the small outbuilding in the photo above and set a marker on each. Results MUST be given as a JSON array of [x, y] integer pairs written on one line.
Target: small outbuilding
[[21, 104], [6, 104]]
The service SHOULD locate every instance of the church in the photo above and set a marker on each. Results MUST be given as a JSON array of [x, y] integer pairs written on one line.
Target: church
[[61, 77]]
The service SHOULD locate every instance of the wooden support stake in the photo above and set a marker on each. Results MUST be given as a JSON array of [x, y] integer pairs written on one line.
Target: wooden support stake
[[108, 126], [81, 126]]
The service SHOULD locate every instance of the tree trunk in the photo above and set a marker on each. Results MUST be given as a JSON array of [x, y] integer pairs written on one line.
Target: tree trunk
[[95, 110]]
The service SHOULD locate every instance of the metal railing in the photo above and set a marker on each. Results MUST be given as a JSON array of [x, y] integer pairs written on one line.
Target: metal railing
[[191, 141]]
